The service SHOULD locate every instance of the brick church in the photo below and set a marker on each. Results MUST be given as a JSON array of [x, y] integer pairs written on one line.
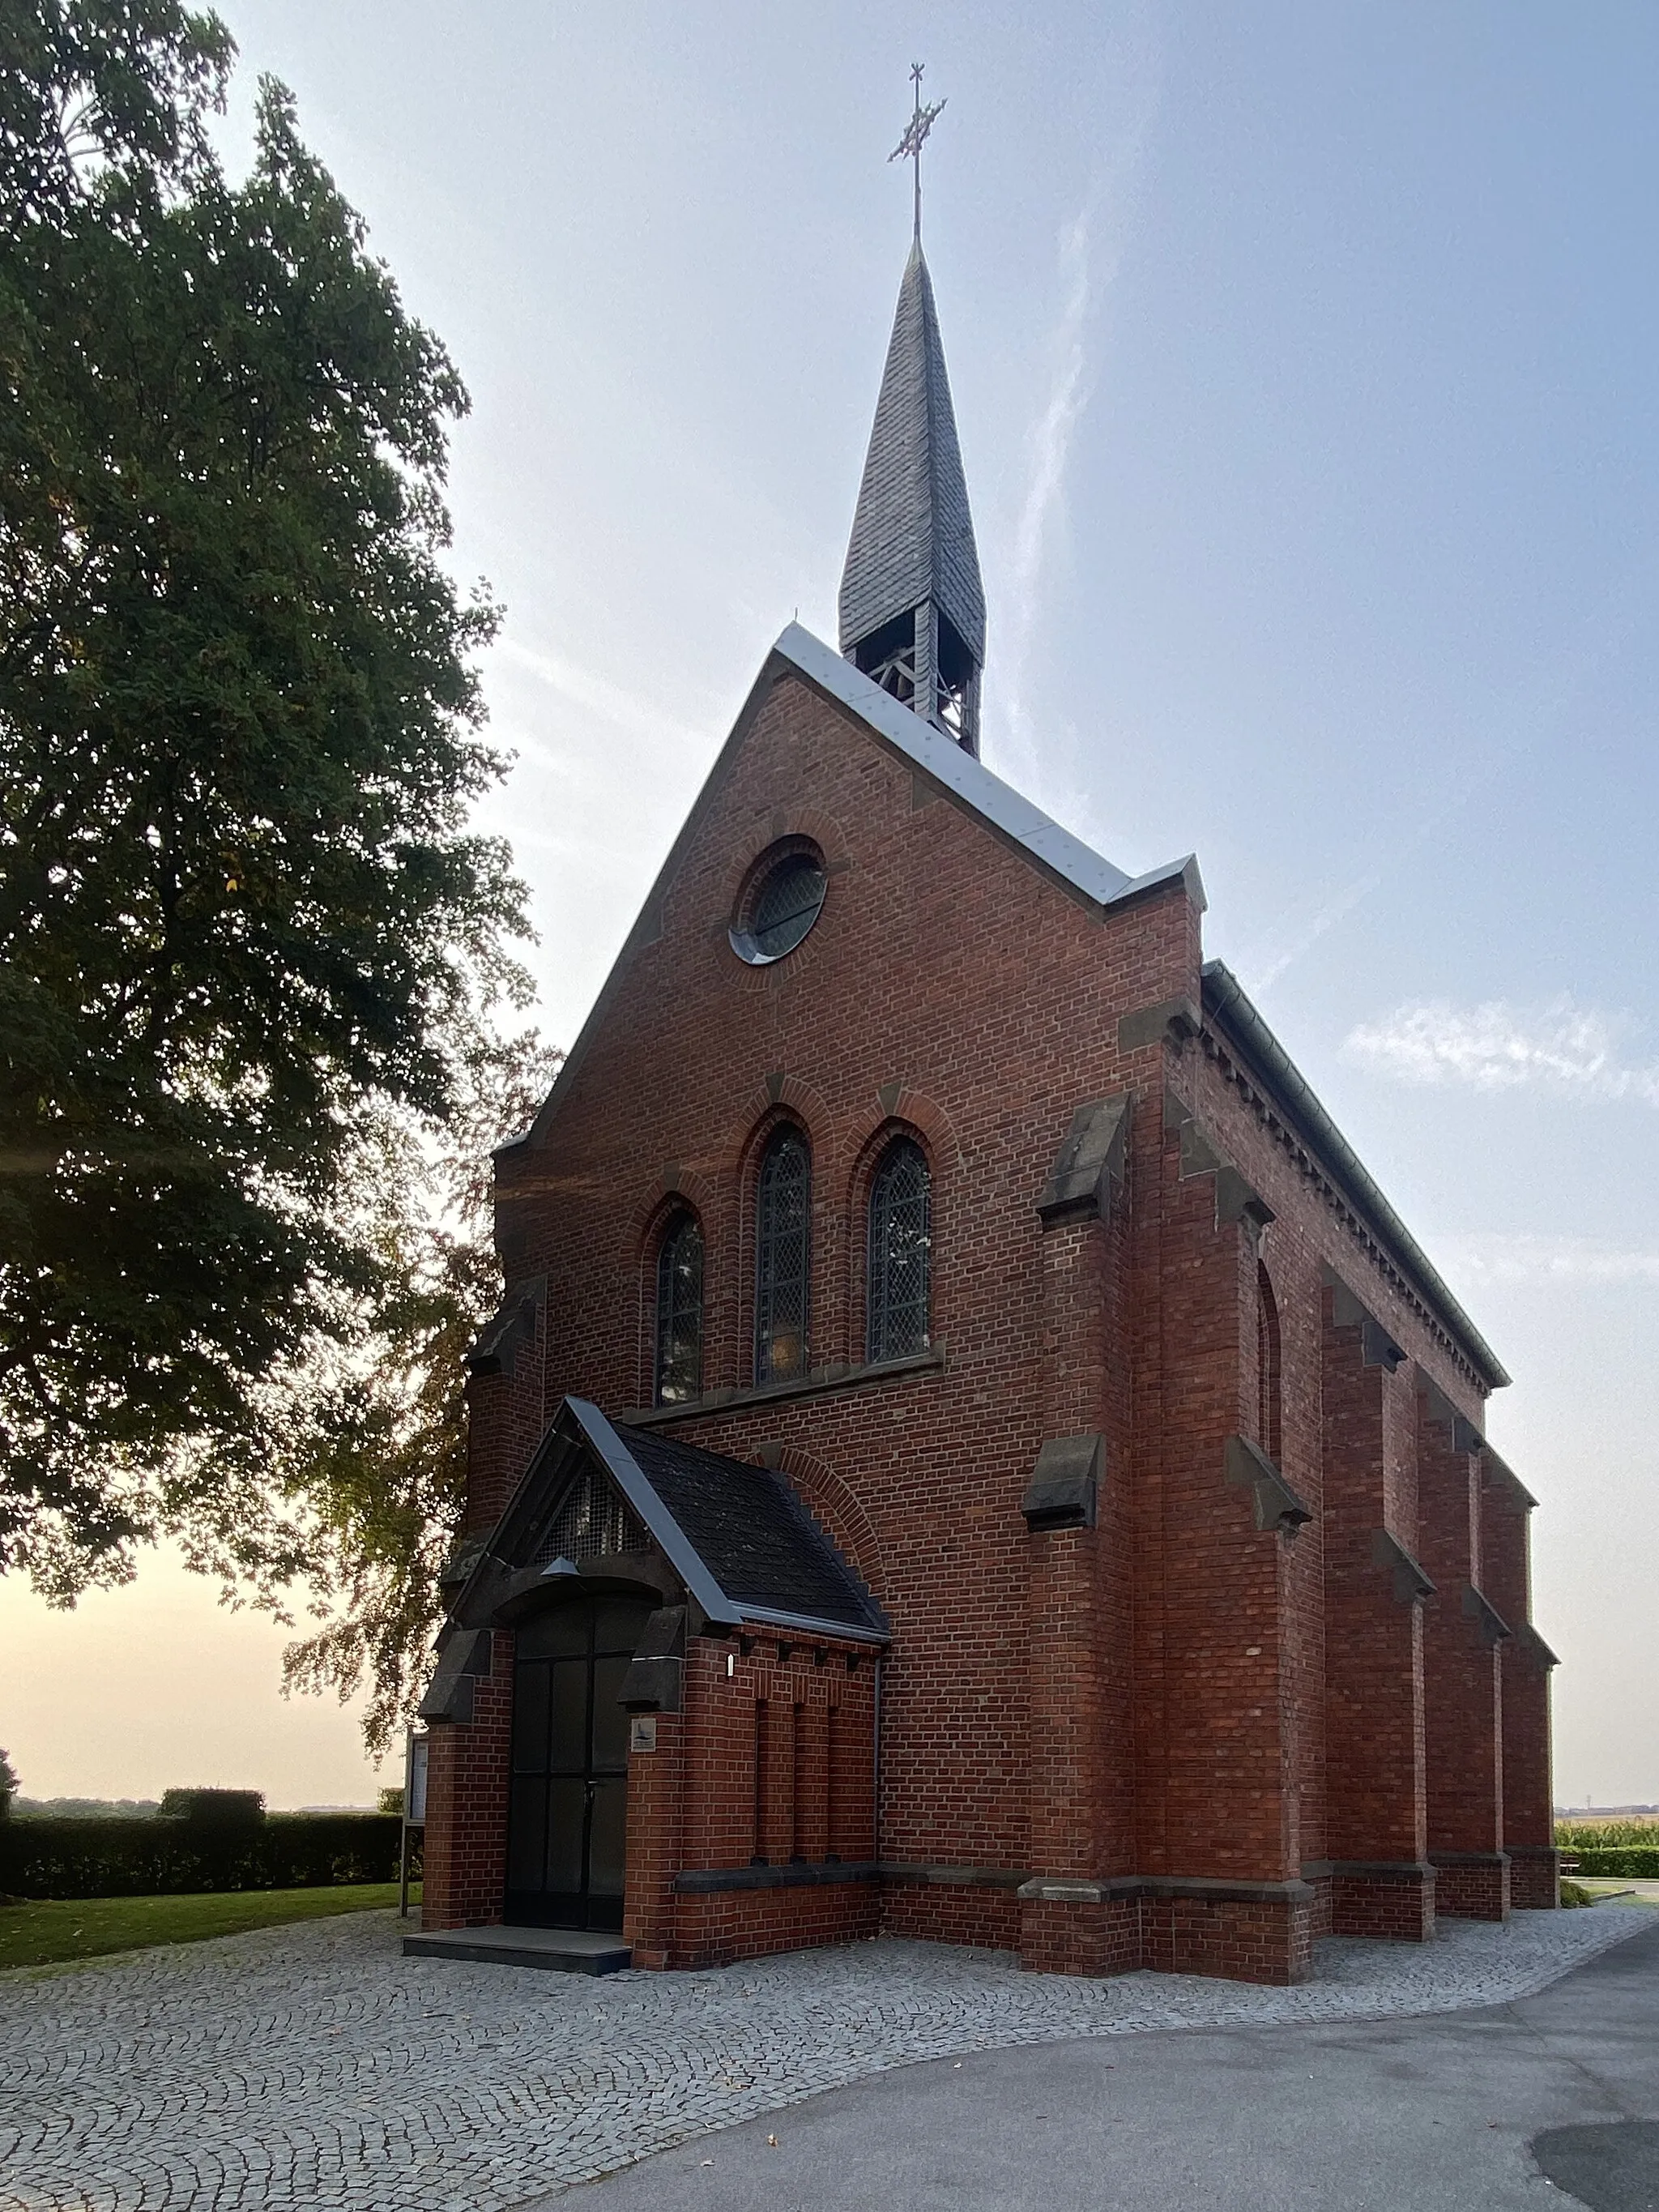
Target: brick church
[[966, 1450]]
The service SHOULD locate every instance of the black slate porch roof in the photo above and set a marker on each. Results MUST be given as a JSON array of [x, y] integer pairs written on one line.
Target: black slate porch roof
[[745, 1547], [754, 1535]]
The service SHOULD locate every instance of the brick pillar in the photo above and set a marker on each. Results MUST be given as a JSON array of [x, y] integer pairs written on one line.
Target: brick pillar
[[464, 1857], [1528, 1797], [1222, 1842], [1078, 1590], [656, 1806], [1463, 1688], [1377, 1812]]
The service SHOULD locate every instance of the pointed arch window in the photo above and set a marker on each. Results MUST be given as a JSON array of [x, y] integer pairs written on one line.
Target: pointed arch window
[[783, 1258], [1270, 1420], [679, 1311], [900, 1253]]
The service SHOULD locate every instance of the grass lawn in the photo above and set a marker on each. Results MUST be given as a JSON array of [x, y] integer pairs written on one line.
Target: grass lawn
[[40, 1934]]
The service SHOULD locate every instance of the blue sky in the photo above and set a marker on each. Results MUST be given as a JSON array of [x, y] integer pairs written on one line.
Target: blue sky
[[1304, 358]]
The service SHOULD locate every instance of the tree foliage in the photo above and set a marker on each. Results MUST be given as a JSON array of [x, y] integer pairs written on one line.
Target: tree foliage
[[342, 1492], [248, 943]]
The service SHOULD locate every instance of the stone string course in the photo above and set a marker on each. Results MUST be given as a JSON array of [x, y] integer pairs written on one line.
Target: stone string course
[[314, 2066]]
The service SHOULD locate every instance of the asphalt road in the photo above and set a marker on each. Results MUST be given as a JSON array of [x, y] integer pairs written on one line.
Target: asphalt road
[[1465, 2112]]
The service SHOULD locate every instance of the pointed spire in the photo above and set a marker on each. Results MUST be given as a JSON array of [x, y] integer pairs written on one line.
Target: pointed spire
[[912, 606]]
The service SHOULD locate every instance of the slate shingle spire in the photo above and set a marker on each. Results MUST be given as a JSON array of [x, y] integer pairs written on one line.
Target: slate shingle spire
[[912, 606]]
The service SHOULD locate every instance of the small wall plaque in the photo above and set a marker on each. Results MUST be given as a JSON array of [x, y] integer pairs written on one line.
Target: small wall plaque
[[643, 1732]]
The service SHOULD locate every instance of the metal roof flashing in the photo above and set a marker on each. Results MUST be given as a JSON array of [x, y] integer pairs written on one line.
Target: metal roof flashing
[[1060, 855]]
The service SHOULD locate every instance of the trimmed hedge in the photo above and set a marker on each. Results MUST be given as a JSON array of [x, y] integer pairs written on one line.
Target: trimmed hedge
[[44, 1858], [1636, 1862]]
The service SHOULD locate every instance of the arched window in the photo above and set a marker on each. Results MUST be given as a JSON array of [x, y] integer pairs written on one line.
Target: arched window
[[783, 1257], [1268, 1365], [901, 1269], [679, 1311]]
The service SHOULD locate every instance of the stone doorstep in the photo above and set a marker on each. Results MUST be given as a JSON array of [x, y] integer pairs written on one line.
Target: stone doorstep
[[557, 1950]]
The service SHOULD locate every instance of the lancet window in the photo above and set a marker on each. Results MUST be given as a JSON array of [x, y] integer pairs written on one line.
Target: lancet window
[[900, 1253], [783, 1257], [679, 1312]]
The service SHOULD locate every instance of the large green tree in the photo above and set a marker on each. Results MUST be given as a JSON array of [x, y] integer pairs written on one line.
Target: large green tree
[[248, 943]]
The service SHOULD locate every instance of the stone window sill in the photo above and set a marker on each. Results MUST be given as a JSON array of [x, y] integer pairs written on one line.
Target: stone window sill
[[822, 1379]]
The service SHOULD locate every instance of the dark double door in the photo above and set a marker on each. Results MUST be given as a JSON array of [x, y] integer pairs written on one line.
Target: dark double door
[[568, 1809]]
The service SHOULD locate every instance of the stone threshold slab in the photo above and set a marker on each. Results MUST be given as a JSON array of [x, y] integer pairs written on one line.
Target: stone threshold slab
[[556, 1950]]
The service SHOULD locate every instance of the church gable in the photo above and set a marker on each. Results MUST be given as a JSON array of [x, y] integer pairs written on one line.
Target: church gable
[[937, 768]]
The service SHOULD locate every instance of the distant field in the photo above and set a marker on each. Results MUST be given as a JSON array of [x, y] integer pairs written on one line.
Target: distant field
[[41, 1934], [1596, 1835]]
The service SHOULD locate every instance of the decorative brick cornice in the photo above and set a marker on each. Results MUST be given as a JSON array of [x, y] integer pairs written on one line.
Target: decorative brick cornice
[[1312, 1173]]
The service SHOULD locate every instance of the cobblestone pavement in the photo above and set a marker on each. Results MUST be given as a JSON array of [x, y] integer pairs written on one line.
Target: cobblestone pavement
[[314, 2065]]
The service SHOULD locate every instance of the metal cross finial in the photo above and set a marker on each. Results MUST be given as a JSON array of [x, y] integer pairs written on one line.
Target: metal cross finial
[[921, 121]]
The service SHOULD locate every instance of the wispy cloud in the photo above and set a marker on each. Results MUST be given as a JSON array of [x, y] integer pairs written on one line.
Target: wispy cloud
[[1048, 450], [1089, 251], [1491, 738], [598, 697], [1575, 1050], [1524, 1258]]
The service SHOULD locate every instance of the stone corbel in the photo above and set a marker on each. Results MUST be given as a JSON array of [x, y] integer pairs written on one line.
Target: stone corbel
[[1491, 1624], [1410, 1584], [1465, 1437], [1170, 1021], [1064, 1488], [1235, 1198], [653, 1682], [496, 1349], [1277, 1505], [1528, 1639], [1088, 1163], [1377, 1347], [464, 1656]]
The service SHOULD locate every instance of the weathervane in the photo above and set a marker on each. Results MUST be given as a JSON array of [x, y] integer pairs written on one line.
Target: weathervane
[[915, 132]]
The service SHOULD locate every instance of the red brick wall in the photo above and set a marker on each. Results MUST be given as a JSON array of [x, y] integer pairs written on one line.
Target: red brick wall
[[1463, 1688], [1377, 1796], [464, 1855], [1147, 1696]]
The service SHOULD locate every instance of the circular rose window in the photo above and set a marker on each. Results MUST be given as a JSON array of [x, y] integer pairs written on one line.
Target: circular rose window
[[784, 898]]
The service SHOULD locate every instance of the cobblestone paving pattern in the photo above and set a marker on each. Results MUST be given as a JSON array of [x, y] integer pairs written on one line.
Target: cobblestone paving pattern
[[315, 2066]]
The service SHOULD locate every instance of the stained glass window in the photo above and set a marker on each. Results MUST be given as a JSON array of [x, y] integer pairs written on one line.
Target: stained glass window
[[679, 1312], [787, 905], [783, 1258], [900, 1253]]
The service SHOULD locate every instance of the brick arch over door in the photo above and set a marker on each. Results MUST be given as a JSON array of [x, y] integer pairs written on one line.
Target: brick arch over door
[[838, 1508]]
